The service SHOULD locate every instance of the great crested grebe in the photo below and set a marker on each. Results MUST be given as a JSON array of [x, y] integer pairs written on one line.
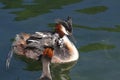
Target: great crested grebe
[[49, 47]]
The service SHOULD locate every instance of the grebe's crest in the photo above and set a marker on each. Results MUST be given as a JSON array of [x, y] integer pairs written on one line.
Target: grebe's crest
[[66, 25]]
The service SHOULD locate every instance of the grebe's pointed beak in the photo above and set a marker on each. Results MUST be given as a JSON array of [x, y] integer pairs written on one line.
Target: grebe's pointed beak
[[72, 38]]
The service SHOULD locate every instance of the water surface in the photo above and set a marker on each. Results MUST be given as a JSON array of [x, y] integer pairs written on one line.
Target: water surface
[[96, 29]]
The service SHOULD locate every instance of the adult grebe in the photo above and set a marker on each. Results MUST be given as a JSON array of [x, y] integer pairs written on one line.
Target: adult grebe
[[49, 47]]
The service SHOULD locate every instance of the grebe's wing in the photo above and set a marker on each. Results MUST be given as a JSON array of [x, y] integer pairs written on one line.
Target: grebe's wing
[[32, 45], [40, 40]]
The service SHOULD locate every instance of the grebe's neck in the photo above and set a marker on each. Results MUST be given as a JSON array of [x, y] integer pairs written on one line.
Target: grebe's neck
[[71, 48]]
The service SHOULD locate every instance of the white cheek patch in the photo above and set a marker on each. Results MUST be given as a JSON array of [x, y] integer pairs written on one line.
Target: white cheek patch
[[64, 30]]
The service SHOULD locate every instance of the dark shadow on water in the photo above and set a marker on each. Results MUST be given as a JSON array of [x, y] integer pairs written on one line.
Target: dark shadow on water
[[115, 29], [58, 71], [96, 46], [35, 8], [93, 10], [31, 65]]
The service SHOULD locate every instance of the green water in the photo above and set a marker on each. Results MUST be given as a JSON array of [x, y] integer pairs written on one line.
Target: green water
[[96, 25]]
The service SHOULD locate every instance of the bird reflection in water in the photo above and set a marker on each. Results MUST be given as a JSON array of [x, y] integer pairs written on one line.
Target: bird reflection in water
[[58, 71]]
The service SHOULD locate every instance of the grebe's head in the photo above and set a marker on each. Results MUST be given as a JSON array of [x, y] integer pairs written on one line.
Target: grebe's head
[[64, 27]]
